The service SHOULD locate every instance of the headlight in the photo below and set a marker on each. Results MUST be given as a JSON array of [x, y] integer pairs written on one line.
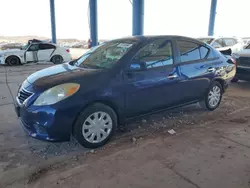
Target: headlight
[[56, 94]]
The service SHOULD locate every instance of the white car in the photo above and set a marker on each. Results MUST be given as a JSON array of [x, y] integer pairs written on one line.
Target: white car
[[35, 51], [224, 43]]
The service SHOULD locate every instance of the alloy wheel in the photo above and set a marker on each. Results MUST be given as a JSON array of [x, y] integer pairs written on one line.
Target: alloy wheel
[[214, 96]]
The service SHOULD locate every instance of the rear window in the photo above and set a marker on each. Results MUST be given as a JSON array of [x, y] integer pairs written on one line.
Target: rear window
[[46, 46], [189, 51], [204, 52]]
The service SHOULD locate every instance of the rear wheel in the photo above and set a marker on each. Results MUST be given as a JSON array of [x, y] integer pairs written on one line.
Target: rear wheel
[[57, 59], [213, 96], [95, 126], [13, 61]]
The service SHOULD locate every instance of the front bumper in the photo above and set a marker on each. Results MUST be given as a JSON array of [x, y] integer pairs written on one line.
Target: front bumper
[[2, 60], [50, 123]]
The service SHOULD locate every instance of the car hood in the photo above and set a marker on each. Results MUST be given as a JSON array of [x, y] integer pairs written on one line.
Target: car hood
[[11, 51], [59, 74], [244, 53]]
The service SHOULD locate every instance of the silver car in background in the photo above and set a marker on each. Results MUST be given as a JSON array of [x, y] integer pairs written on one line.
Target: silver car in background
[[234, 44]]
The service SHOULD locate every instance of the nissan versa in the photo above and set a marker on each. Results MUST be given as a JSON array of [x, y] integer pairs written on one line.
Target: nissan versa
[[118, 80]]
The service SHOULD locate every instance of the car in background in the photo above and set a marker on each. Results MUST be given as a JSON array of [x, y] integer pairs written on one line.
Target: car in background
[[119, 80], [246, 41], [224, 43], [243, 64], [35, 51]]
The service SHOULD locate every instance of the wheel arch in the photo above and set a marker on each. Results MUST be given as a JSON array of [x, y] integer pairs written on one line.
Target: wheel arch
[[13, 55], [112, 105], [222, 82], [53, 55]]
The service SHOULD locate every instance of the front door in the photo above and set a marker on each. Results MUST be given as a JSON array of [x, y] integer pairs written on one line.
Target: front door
[[152, 79], [45, 52], [30, 54]]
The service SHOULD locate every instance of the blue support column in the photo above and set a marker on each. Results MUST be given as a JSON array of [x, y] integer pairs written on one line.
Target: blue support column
[[138, 17], [212, 17], [93, 22], [53, 20]]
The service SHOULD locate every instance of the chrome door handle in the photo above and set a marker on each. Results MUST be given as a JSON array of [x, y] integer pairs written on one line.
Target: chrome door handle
[[211, 69], [172, 76]]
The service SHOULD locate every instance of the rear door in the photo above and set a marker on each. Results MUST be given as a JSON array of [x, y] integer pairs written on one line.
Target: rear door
[[45, 51], [197, 66], [151, 81]]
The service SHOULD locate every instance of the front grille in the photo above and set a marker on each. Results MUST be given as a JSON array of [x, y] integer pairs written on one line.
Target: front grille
[[23, 95], [244, 61]]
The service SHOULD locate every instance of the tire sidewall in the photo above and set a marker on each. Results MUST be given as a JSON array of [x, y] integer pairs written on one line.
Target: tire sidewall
[[77, 129], [207, 94], [56, 56], [9, 61]]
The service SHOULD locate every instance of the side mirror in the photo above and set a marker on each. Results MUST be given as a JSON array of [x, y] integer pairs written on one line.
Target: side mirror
[[137, 66]]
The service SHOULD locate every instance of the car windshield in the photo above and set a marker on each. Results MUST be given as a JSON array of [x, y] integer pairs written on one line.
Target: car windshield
[[248, 47], [105, 55], [25, 46], [206, 40]]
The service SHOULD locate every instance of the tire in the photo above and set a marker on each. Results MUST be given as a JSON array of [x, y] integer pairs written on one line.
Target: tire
[[217, 91], [86, 132], [57, 59], [13, 61]]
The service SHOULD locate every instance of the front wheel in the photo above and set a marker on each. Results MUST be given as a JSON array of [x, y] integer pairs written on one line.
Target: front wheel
[[13, 61], [213, 97], [95, 126]]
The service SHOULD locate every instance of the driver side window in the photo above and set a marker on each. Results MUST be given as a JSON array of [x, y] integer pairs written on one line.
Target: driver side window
[[156, 54], [33, 47]]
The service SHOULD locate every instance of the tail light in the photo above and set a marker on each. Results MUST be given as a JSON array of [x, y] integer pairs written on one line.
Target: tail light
[[67, 50]]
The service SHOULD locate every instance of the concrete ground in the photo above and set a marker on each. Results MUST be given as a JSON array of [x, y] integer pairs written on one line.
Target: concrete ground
[[209, 149]]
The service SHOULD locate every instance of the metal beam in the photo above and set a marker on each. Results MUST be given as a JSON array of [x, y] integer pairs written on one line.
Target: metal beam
[[212, 17], [93, 22], [138, 17], [53, 20]]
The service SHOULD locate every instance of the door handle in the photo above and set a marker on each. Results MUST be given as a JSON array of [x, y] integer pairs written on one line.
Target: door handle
[[172, 76], [211, 69]]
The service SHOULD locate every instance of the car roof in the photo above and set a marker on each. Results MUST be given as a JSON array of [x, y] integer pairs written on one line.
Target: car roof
[[36, 41], [140, 38]]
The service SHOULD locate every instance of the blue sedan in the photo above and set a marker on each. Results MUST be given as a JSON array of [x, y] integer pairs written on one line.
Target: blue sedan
[[118, 80]]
